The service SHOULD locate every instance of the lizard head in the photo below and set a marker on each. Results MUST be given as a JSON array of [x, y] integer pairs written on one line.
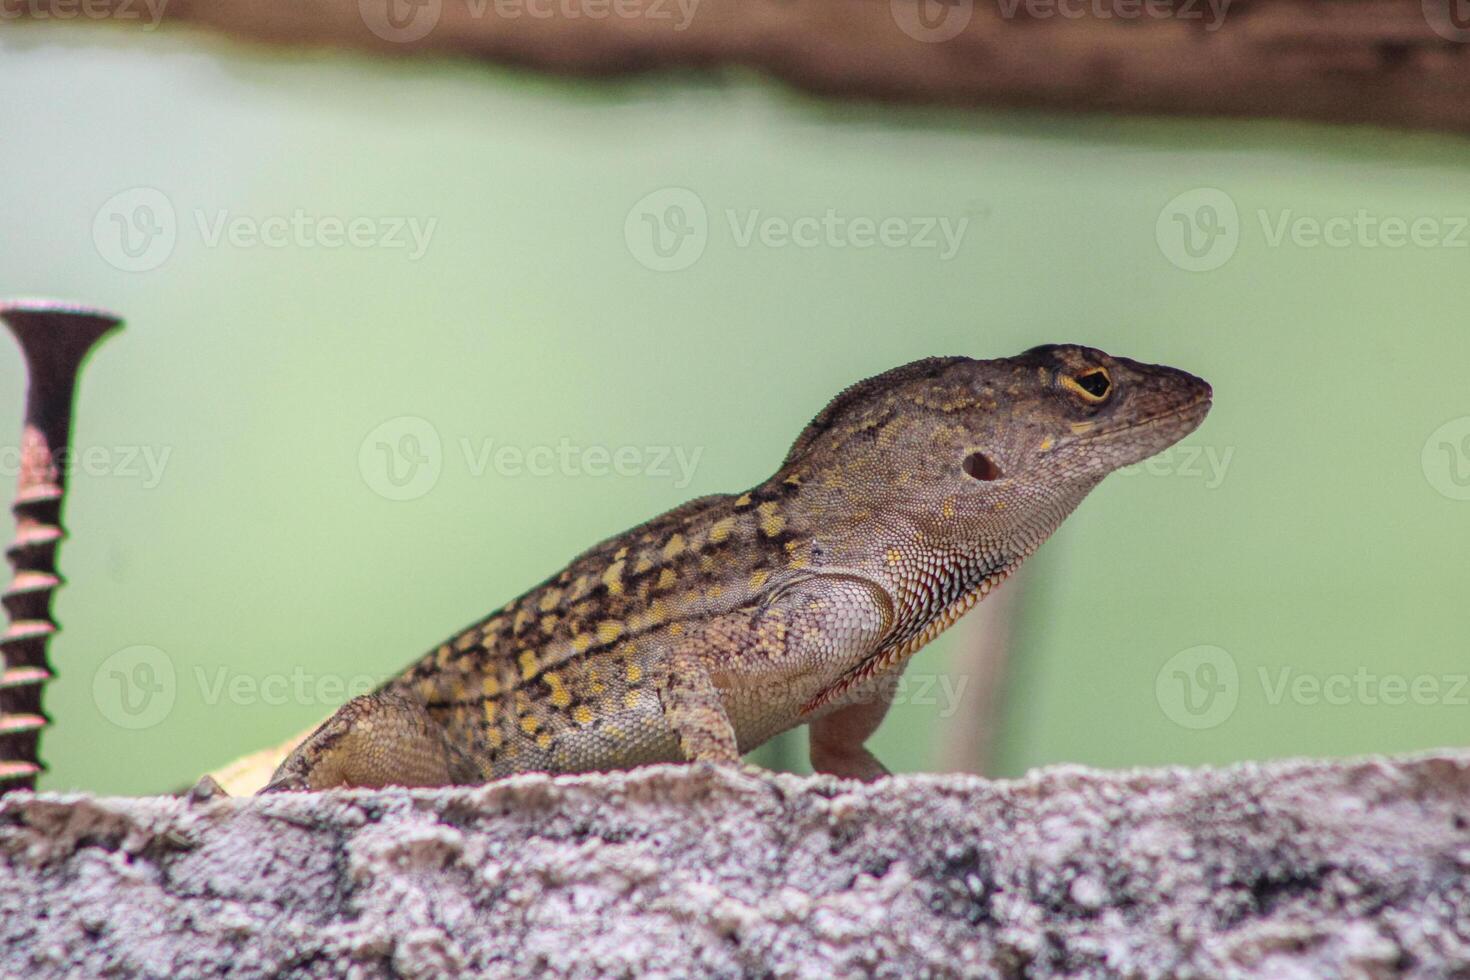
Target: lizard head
[[985, 458]]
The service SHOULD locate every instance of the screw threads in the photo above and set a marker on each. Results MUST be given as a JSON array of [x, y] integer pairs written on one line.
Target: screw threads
[[54, 339]]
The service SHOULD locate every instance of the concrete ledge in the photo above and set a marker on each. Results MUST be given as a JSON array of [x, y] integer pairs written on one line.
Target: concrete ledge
[[1354, 868]]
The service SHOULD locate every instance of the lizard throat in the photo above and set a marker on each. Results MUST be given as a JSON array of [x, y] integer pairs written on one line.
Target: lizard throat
[[892, 654]]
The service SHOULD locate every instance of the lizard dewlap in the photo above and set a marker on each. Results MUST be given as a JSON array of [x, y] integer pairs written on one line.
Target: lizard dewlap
[[713, 627]]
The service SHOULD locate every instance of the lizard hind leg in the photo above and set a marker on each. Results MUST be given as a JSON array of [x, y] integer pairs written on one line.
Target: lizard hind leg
[[382, 739]]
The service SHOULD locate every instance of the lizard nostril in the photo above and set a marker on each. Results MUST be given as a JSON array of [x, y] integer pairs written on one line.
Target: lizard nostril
[[981, 467]]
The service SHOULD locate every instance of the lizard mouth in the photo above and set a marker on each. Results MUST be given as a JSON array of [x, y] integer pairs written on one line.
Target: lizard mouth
[[1194, 411], [1185, 419]]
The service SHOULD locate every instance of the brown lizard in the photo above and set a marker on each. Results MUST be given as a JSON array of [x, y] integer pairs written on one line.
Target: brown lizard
[[706, 631]]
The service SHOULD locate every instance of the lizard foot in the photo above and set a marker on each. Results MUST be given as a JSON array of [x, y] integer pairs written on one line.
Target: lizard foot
[[381, 739]]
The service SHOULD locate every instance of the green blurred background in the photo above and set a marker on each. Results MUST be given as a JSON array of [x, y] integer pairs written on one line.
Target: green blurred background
[[225, 598]]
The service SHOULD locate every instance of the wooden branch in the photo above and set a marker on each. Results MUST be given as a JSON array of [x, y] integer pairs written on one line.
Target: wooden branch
[[1393, 62]]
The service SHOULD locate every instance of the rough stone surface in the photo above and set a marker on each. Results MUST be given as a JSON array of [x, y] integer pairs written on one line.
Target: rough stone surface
[[1293, 869]]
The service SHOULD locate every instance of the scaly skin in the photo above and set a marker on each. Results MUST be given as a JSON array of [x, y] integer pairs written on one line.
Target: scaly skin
[[706, 631]]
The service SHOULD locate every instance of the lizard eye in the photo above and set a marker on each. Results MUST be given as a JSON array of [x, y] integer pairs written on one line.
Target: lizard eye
[[1092, 385], [981, 467]]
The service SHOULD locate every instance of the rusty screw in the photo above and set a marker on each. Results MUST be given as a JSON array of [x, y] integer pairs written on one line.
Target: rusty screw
[[55, 339]]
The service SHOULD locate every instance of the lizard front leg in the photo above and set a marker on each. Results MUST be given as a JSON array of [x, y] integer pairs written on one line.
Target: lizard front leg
[[836, 739], [693, 710], [382, 739], [738, 678]]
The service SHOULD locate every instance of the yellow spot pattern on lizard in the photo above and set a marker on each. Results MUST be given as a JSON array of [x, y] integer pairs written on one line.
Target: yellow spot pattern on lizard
[[613, 577], [543, 740], [758, 578], [560, 696], [529, 665], [666, 579], [635, 673], [772, 523], [582, 715], [609, 630], [549, 600], [720, 530]]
